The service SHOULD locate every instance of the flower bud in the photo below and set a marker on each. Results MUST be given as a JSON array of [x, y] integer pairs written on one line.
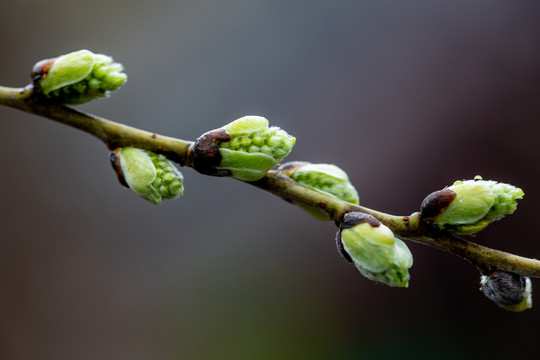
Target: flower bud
[[374, 250], [324, 178], [151, 176], [78, 77], [469, 206], [508, 290], [244, 149]]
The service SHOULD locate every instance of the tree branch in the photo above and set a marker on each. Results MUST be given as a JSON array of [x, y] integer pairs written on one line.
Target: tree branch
[[406, 227], [113, 134]]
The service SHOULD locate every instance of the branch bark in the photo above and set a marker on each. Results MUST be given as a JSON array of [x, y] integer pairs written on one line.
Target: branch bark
[[410, 227]]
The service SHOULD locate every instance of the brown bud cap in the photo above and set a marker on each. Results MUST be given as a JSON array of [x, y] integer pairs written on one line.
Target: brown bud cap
[[435, 203], [41, 68], [349, 220], [205, 156], [353, 218], [290, 167]]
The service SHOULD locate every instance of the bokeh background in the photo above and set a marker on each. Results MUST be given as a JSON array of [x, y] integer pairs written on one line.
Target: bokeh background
[[407, 96]]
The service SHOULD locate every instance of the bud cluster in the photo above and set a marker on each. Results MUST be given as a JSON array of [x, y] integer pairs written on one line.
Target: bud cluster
[[469, 206], [244, 149], [169, 181], [78, 77], [374, 249], [151, 176], [272, 141]]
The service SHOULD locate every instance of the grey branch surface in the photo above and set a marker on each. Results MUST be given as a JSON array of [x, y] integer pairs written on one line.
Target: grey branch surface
[[410, 227]]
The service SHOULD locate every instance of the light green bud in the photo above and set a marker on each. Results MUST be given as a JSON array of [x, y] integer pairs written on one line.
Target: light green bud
[[151, 176], [374, 250], [253, 148], [78, 77], [324, 178], [469, 206]]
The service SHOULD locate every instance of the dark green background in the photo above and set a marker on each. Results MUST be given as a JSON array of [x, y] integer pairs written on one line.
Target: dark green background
[[406, 96]]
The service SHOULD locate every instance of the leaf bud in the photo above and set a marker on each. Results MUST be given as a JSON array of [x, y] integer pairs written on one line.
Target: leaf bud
[[244, 149], [469, 206], [508, 290], [374, 249], [151, 176], [78, 77], [324, 178]]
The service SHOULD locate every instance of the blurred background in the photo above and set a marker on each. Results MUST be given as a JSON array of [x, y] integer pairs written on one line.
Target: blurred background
[[405, 96]]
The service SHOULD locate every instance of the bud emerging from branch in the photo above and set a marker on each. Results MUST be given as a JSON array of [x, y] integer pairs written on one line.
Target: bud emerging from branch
[[324, 178], [469, 206], [244, 149], [149, 175], [78, 77], [508, 290], [374, 250]]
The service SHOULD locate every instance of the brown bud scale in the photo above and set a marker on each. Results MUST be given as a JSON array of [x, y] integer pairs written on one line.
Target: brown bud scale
[[290, 167], [115, 162], [41, 69], [435, 203], [354, 218], [341, 249], [205, 155]]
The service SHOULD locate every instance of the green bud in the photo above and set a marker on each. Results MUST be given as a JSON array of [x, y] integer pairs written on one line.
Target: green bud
[[505, 203], [151, 176], [508, 290], [78, 77], [374, 249], [244, 149], [469, 206], [324, 178]]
